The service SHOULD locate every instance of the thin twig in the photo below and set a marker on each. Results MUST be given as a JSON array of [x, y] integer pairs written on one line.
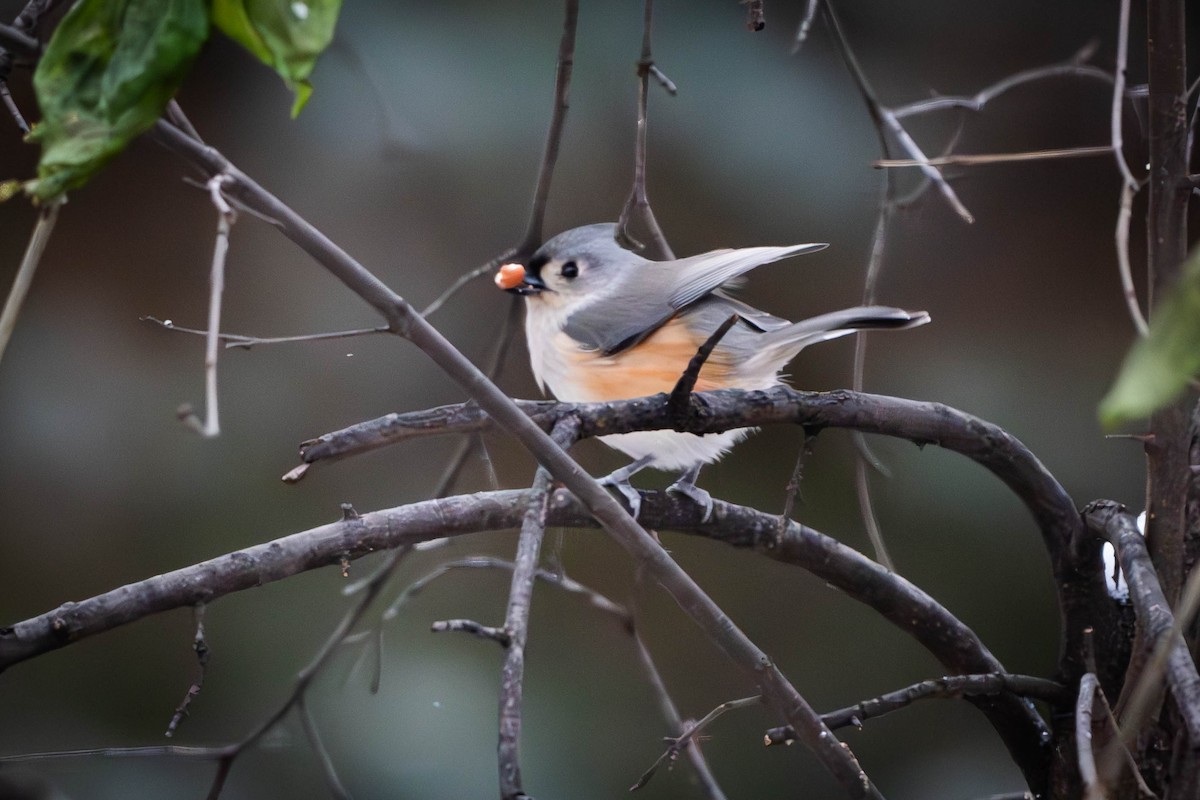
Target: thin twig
[[1121, 238], [677, 743], [11, 105], [970, 160], [306, 675], [1129, 184], [226, 216], [1072, 68], [497, 635], [38, 240], [332, 782], [558, 119], [792, 490], [638, 203], [532, 237], [681, 394], [200, 646], [951, 686], [234, 340], [885, 118], [1118, 96], [810, 13]]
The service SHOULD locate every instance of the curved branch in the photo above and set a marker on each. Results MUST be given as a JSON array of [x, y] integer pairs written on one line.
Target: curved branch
[[1078, 577], [1119, 528], [949, 640], [711, 412]]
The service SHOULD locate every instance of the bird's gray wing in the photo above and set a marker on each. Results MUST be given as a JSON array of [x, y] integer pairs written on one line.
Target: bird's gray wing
[[625, 313], [699, 275], [654, 292]]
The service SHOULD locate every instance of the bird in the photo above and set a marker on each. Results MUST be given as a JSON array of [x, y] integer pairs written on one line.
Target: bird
[[604, 323]]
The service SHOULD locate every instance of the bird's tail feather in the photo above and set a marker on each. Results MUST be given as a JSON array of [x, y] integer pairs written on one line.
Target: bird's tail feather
[[784, 343]]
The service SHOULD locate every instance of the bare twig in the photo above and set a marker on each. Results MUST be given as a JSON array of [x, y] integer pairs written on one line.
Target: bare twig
[[11, 106], [1073, 68], [886, 120], [234, 340], [332, 782], [971, 160], [792, 490], [637, 205], [952, 686], [1129, 184], [1121, 238], [1118, 96], [558, 119], [226, 216], [532, 237], [681, 394], [677, 743], [497, 635], [306, 675], [200, 646], [29, 263], [810, 13]]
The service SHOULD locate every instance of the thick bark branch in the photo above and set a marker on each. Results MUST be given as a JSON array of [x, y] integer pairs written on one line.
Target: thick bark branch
[[1119, 528], [1082, 596], [950, 641]]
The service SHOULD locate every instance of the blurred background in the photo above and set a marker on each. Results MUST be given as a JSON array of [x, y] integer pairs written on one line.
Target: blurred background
[[418, 154]]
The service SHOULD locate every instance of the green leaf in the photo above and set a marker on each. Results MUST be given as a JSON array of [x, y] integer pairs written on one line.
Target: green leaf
[[106, 76], [1159, 366], [286, 35]]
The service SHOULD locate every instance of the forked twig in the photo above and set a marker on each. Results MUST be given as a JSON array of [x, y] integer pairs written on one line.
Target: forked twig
[[676, 743], [638, 203]]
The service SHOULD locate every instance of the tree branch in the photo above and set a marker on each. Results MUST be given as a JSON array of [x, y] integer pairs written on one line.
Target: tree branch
[[516, 622], [913, 611], [1119, 528], [952, 686]]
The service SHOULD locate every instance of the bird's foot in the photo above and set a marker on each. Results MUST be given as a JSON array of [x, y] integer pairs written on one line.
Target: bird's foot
[[686, 485], [619, 480]]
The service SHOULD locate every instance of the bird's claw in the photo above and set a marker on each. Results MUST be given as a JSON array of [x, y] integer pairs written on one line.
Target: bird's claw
[[619, 480], [633, 498], [686, 486]]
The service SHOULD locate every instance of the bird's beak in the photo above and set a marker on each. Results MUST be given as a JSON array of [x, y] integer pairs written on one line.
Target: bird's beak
[[513, 278]]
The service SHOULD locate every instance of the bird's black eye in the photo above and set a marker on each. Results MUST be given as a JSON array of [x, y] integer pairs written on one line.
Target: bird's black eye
[[570, 270]]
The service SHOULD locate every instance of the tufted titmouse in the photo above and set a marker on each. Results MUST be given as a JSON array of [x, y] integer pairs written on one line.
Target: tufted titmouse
[[603, 323]]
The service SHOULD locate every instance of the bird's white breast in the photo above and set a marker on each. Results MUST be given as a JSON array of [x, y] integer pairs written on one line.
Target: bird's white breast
[[558, 365]]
